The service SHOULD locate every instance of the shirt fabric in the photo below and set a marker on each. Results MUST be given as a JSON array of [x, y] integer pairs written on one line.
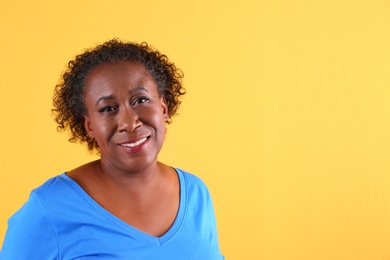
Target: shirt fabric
[[61, 221]]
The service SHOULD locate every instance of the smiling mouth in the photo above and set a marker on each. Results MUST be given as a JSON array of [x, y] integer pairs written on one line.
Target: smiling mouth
[[139, 142]]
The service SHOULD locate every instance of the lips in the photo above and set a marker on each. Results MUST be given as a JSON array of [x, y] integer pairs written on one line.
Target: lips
[[134, 144]]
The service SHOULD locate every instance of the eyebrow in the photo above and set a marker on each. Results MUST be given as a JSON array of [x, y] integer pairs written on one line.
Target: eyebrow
[[132, 91], [105, 98], [138, 89]]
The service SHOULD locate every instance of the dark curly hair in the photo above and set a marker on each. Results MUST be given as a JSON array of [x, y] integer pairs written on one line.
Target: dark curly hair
[[69, 109]]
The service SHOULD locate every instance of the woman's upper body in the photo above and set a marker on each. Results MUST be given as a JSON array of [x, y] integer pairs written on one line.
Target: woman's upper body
[[117, 98], [61, 221], [126, 116]]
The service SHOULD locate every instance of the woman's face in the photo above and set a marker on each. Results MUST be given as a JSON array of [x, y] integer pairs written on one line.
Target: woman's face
[[125, 115]]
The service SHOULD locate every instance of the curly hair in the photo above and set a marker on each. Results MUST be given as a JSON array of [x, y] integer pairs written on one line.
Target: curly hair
[[69, 109]]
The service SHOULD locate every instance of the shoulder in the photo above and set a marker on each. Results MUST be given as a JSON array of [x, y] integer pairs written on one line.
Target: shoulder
[[194, 187], [52, 188], [29, 231], [45, 197], [49, 190], [191, 180]]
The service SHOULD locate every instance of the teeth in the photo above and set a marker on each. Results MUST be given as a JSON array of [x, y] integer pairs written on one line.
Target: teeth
[[136, 143]]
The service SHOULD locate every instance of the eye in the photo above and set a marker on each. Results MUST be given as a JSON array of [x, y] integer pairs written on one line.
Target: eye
[[107, 109], [140, 100]]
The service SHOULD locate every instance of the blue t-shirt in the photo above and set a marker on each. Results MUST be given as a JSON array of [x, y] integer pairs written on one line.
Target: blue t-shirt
[[61, 221]]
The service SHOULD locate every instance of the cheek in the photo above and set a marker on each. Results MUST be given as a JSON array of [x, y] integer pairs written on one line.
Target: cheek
[[162, 126], [156, 120], [102, 130], [159, 118]]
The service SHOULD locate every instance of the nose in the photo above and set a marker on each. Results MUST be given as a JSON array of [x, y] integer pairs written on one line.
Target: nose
[[128, 120]]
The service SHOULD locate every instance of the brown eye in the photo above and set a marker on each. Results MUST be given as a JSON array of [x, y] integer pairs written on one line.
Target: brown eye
[[107, 109], [140, 100]]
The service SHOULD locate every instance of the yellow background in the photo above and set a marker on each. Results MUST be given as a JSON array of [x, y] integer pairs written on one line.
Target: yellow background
[[287, 116]]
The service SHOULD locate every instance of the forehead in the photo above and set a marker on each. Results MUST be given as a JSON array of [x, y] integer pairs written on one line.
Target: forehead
[[121, 71], [118, 76]]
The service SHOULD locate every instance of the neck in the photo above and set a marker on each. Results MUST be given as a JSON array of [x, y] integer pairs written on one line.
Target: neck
[[130, 181]]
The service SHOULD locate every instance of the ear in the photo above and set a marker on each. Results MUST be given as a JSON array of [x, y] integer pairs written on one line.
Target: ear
[[88, 127], [164, 106]]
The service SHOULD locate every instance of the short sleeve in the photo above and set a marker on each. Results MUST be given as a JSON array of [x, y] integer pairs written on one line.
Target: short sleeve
[[29, 235]]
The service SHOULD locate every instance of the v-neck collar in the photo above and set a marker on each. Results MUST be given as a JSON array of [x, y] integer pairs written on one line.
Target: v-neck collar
[[132, 231]]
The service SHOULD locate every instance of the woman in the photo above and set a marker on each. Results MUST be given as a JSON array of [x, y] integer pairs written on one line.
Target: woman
[[117, 98]]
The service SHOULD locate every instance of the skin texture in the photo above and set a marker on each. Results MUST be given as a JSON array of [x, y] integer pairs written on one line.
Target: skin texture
[[127, 117]]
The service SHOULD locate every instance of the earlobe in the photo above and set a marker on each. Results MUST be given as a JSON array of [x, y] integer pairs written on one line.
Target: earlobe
[[88, 127]]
